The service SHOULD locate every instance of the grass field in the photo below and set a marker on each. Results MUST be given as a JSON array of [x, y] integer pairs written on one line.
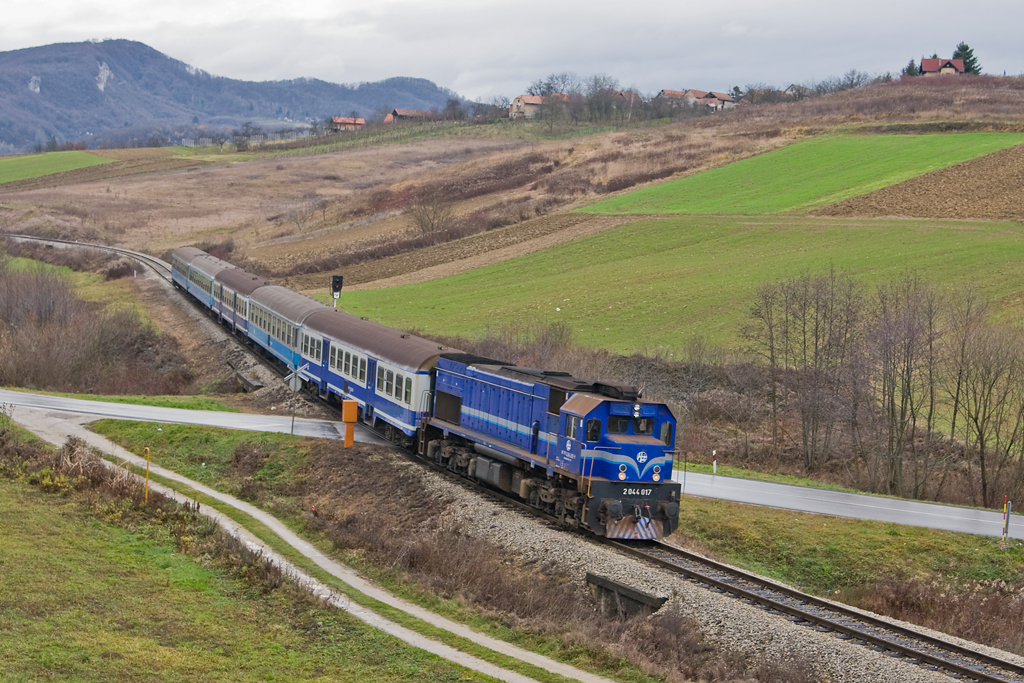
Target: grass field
[[822, 553], [654, 284], [88, 601], [809, 174], [36, 165]]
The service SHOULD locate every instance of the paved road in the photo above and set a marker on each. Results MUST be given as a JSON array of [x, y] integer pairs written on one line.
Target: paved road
[[947, 517], [210, 418], [967, 520]]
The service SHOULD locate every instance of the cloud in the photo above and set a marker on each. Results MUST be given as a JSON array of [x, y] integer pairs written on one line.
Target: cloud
[[488, 47]]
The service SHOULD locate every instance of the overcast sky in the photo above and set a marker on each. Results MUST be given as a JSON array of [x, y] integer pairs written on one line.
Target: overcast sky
[[486, 48]]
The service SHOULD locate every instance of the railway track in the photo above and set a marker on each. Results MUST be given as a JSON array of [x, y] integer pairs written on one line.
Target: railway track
[[897, 641], [160, 267], [927, 651]]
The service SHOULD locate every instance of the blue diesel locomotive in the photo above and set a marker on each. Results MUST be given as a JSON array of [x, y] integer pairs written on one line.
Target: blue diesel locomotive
[[595, 455]]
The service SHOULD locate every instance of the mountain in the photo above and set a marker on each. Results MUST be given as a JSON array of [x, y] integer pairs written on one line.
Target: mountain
[[98, 90]]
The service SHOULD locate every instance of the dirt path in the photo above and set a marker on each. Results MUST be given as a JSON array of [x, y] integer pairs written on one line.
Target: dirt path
[[57, 427]]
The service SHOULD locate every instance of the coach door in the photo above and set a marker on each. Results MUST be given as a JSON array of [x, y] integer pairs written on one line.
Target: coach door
[[324, 357], [371, 388]]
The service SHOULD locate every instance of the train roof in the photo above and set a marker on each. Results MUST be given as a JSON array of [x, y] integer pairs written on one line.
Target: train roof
[[286, 303], [242, 281], [186, 254], [388, 344], [559, 380], [210, 265]]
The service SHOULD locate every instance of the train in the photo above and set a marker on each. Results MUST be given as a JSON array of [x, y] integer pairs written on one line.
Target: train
[[595, 455]]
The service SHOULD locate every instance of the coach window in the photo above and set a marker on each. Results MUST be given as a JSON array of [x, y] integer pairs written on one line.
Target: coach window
[[333, 363], [380, 380], [389, 383], [362, 369], [348, 362], [593, 430], [408, 390], [666, 433]]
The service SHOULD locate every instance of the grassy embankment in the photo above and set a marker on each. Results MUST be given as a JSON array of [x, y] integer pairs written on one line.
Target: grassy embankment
[[653, 284], [99, 602], [290, 474], [37, 165], [846, 558]]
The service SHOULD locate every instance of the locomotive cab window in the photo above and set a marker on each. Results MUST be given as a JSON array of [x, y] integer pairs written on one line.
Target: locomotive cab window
[[666, 433], [571, 424], [644, 426], [593, 430], [618, 425]]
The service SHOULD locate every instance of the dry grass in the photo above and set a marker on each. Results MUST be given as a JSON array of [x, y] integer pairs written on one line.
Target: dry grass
[[50, 339], [438, 556]]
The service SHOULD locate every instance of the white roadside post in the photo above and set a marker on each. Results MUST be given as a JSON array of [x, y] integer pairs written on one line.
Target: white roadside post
[[295, 384]]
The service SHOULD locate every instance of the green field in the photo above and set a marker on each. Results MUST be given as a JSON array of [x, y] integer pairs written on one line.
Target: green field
[[86, 601], [652, 285], [809, 174], [37, 165]]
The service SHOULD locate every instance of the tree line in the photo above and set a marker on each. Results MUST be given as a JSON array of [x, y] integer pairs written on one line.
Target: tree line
[[912, 388]]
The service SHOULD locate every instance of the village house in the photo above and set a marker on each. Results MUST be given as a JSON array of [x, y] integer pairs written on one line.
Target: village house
[[716, 101], [528, 106], [340, 123], [677, 97], [525, 107], [407, 115], [797, 91], [936, 67]]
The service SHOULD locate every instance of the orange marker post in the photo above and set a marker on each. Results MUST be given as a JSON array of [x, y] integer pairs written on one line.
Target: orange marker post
[[147, 475], [349, 415]]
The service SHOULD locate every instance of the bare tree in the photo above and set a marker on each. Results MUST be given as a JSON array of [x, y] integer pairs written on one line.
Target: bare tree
[[903, 334], [565, 83], [432, 211]]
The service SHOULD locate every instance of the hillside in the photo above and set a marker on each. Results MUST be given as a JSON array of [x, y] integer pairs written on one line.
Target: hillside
[[87, 91]]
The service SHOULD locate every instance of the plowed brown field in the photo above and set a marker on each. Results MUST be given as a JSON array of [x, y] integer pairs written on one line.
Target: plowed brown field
[[988, 188]]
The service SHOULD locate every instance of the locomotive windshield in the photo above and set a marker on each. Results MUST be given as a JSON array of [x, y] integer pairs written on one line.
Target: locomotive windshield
[[642, 426]]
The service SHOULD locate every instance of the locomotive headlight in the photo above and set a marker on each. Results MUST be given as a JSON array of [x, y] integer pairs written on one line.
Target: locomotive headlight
[[656, 477], [622, 475], [657, 469], [622, 468], [636, 410], [622, 471]]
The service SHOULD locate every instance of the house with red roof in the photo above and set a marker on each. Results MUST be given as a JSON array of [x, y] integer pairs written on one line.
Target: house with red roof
[[340, 123], [936, 67], [717, 101]]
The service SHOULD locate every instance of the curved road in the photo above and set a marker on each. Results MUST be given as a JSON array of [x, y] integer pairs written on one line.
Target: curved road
[[896, 511]]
